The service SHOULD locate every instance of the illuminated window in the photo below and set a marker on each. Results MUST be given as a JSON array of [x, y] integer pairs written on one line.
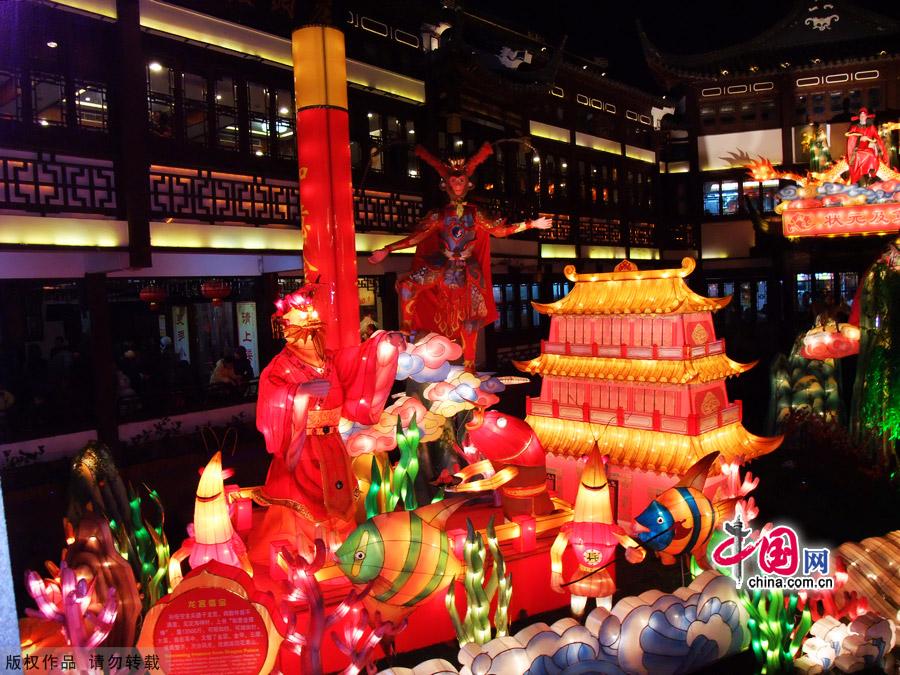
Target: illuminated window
[[824, 285], [849, 282], [804, 292], [746, 298], [730, 201], [712, 199], [195, 108], [750, 193], [748, 111], [769, 195], [260, 134], [375, 137], [10, 96], [874, 98], [726, 113], [801, 109], [90, 106], [48, 97], [161, 99], [227, 125], [837, 101], [285, 125], [818, 104], [712, 289], [762, 299]]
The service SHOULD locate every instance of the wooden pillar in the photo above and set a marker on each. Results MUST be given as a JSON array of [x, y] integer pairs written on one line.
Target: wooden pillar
[[104, 382], [129, 118], [266, 295]]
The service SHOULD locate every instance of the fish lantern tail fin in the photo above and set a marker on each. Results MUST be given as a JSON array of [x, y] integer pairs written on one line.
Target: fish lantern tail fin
[[695, 477], [439, 513], [724, 510]]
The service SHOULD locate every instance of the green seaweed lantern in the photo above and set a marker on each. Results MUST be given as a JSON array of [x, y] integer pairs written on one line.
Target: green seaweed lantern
[[96, 488], [875, 417], [396, 484], [147, 547], [777, 629], [476, 627]]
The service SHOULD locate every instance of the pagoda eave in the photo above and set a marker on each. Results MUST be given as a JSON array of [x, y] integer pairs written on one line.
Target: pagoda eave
[[646, 450], [651, 371]]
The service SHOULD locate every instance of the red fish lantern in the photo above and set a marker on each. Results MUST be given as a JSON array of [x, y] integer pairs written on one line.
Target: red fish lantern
[[153, 295], [215, 290]]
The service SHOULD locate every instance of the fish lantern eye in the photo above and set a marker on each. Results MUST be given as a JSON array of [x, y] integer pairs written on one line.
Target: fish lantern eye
[[501, 422], [359, 555], [660, 520]]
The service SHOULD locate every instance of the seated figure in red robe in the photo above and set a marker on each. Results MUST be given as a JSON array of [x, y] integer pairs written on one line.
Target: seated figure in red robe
[[865, 149], [449, 289], [310, 489]]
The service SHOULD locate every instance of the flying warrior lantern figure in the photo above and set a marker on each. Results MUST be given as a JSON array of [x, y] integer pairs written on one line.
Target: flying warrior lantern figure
[[303, 393], [449, 290]]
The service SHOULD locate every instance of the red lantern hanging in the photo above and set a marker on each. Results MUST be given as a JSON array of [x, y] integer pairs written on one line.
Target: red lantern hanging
[[215, 290], [153, 295]]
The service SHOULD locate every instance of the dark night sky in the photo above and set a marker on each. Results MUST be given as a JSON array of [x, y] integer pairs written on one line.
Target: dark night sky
[[608, 29]]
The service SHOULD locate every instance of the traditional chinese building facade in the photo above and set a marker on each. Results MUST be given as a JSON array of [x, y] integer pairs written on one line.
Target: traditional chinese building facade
[[632, 361], [788, 94]]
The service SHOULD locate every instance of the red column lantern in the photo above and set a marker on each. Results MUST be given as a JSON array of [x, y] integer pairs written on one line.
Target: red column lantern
[[153, 295], [215, 290]]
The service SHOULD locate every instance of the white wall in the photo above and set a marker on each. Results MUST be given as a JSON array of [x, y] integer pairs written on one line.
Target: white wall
[[731, 239], [723, 151]]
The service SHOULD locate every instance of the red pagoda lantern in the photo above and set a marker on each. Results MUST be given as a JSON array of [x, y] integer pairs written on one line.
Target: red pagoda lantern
[[215, 290], [153, 295]]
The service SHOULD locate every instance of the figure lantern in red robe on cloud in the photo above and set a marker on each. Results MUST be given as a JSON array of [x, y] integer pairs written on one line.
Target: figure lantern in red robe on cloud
[[303, 393], [449, 290], [865, 149]]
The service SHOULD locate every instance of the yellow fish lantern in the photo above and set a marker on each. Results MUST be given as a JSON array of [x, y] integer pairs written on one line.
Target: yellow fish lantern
[[682, 519], [212, 536], [406, 555]]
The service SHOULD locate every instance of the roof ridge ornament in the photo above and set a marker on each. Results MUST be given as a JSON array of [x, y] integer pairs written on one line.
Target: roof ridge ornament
[[627, 270]]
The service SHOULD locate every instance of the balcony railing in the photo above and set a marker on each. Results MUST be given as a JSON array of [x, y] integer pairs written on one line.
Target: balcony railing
[[46, 183], [692, 424], [216, 197]]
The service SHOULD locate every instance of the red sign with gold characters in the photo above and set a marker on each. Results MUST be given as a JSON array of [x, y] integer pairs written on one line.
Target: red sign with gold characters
[[866, 219], [214, 622]]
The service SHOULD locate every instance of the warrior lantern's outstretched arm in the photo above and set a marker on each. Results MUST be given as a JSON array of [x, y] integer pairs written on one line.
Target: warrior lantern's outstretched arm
[[499, 228], [426, 226]]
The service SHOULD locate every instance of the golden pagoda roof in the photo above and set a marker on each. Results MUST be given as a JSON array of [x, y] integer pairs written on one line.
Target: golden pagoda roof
[[649, 450], [628, 290], [663, 371]]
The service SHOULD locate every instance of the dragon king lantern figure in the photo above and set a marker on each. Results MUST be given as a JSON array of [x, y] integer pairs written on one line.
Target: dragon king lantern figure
[[449, 290], [303, 393]]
